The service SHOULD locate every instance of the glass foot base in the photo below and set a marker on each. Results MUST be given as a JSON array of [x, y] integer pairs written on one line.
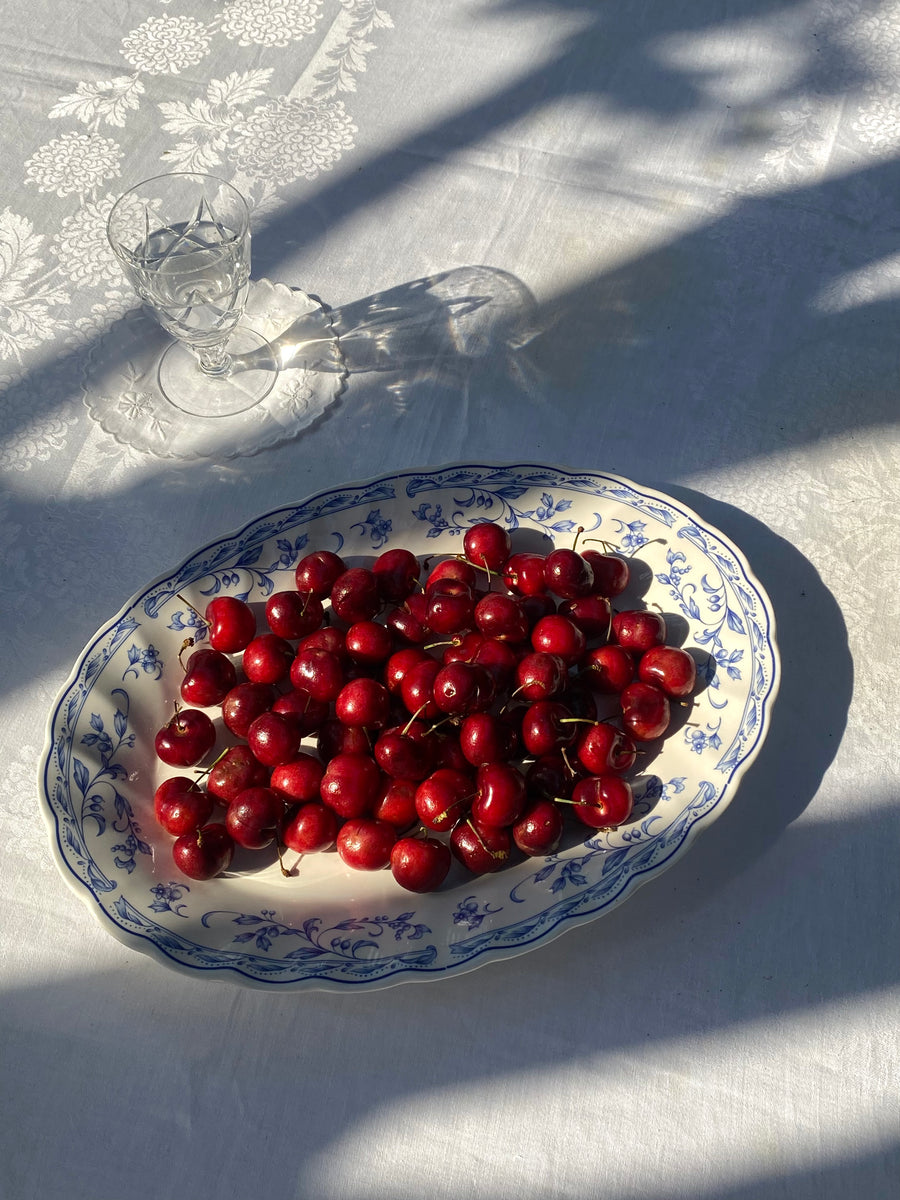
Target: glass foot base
[[254, 370]]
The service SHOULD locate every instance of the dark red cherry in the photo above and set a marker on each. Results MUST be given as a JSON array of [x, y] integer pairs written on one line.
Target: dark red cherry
[[267, 659], [487, 545], [238, 768], [355, 596], [243, 705], [397, 572], [420, 864], [603, 801], [232, 624], [480, 850], [670, 668], [317, 572], [645, 711], [181, 805], [273, 738], [254, 817], [639, 629], [539, 830], [310, 828], [611, 572], [524, 574], [204, 853], [568, 574], [186, 739], [298, 779], [293, 614], [208, 678], [365, 843], [351, 785]]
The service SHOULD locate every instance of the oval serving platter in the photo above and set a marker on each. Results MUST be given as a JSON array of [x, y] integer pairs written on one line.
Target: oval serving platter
[[326, 926]]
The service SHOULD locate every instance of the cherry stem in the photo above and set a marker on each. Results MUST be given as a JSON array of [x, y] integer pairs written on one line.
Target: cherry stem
[[201, 771], [578, 532], [195, 611], [185, 645], [278, 850]]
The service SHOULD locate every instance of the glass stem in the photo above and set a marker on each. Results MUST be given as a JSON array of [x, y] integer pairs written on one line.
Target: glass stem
[[214, 361]]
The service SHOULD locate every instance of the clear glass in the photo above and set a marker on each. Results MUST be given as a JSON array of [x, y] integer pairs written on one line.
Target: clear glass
[[184, 244]]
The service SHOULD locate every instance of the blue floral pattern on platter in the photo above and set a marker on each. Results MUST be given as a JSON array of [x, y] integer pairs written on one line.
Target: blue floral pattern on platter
[[344, 928]]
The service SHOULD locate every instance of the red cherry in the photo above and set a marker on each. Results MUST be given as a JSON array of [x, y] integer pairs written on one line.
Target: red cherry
[[316, 573], [399, 663], [363, 702], [611, 572], [540, 675], [369, 643], [310, 828], [484, 738], [351, 785], [307, 714], [603, 801], [185, 739], [481, 851], [547, 726], [397, 572], [452, 568], [590, 613], [238, 768], [461, 687], [444, 797], [208, 678], [603, 747], [568, 574], [558, 635], [539, 830], [318, 672], [450, 607], [487, 545], [499, 796], [669, 667], [639, 629], [397, 804], [273, 738], [267, 659], [645, 711], [329, 638], [355, 595], [524, 574], [254, 817], [299, 779], [243, 705], [205, 852], [408, 621], [293, 614], [417, 689], [365, 843], [420, 864], [608, 669], [232, 624], [501, 617], [405, 752], [180, 805]]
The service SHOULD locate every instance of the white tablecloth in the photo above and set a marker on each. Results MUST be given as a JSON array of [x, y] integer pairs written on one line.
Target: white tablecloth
[[657, 238]]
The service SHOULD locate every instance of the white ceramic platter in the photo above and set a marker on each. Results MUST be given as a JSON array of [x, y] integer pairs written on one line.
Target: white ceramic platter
[[327, 926]]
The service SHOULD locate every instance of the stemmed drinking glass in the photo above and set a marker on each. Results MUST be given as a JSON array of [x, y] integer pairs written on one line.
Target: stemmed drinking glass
[[184, 242]]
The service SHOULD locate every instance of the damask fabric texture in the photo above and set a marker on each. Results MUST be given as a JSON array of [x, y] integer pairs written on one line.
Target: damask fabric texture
[[655, 239]]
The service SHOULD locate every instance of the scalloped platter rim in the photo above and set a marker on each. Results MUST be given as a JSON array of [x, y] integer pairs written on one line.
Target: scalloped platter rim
[[328, 927]]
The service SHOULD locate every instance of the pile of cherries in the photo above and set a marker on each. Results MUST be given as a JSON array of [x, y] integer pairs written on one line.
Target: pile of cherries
[[455, 715]]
